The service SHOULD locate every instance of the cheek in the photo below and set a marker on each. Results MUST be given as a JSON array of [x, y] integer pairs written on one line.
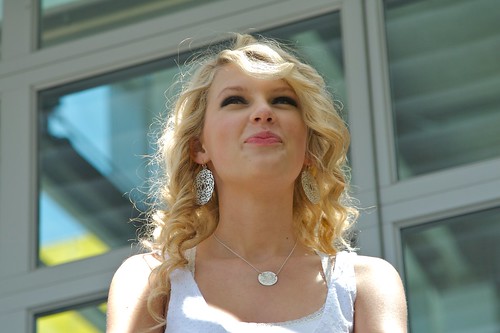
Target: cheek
[[303, 143], [299, 129], [219, 132], [301, 137]]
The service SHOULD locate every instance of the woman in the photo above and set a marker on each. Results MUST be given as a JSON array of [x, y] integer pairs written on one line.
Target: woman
[[255, 236]]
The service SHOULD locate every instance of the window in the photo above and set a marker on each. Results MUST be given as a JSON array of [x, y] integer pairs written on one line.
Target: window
[[93, 139], [452, 273], [86, 318], [65, 20], [445, 78]]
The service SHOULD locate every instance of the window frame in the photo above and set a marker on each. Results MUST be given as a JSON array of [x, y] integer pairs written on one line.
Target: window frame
[[423, 198]]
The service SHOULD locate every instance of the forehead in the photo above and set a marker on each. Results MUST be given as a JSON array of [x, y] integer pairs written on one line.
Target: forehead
[[231, 77]]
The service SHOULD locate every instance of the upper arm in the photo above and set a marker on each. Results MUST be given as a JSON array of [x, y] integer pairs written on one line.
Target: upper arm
[[128, 295], [380, 304]]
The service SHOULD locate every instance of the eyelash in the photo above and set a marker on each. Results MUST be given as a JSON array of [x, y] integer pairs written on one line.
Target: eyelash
[[285, 100], [240, 100], [233, 100]]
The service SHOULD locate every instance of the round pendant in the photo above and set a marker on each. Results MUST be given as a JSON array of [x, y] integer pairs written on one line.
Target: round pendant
[[268, 278]]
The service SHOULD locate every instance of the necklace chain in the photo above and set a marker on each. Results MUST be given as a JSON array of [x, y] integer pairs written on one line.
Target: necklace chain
[[266, 278]]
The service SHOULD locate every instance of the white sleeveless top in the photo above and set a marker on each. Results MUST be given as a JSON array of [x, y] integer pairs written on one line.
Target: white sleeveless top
[[189, 312]]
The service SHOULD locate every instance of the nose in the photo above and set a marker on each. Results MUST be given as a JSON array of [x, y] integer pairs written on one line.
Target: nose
[[263, 113]]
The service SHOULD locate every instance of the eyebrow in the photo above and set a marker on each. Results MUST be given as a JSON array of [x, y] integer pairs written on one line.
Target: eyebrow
[[231, 88], [241, 89]]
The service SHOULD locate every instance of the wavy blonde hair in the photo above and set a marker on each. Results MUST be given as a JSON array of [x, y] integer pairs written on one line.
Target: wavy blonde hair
[[177, 223]]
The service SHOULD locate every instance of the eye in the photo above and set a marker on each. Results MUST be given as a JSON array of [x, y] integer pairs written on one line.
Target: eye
[[285, 100], [233, 100]]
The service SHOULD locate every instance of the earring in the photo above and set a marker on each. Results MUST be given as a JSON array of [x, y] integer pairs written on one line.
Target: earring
[[310, 186], [204, 185]]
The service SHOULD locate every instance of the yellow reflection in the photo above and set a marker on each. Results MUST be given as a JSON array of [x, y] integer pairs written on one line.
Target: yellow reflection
[[68, 321], [103, 307], [84, 246]]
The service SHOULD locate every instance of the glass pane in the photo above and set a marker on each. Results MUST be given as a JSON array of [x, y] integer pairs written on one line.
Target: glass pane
[[93, 134], [89, 318], [445, 78], [452, 271], [64, 20]]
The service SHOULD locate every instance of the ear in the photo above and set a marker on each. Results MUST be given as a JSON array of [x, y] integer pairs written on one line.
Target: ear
[[197, 152]]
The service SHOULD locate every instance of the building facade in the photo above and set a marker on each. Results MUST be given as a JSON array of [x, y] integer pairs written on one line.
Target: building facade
[[83, 84]]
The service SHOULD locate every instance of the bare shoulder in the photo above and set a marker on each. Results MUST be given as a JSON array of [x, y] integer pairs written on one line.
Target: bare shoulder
[[128, 294], [380, 302], [369, 268], [137, 266], [133, 274]]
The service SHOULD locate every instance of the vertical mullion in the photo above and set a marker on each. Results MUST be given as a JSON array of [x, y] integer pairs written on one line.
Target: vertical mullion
[[18, 29], [358, 101], [17, 207], [383, 123], [15, 321], [17, 231], [381, 93], [17, 162]]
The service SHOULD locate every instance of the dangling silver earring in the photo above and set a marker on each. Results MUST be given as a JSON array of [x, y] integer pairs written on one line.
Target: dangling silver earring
[[204, 185], [310, 186]]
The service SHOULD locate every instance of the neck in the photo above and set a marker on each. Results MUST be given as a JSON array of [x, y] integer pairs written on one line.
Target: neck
[[256, 225]]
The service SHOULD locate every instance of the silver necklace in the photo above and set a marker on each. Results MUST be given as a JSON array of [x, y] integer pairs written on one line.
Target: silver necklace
[[266, 278]]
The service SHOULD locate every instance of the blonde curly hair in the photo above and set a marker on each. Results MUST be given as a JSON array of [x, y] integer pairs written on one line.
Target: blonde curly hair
[[177, 223]]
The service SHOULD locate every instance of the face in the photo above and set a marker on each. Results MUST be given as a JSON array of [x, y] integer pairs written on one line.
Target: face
[[253, 128]]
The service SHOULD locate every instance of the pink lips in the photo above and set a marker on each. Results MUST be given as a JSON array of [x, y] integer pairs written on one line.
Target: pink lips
[[264, 138]]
